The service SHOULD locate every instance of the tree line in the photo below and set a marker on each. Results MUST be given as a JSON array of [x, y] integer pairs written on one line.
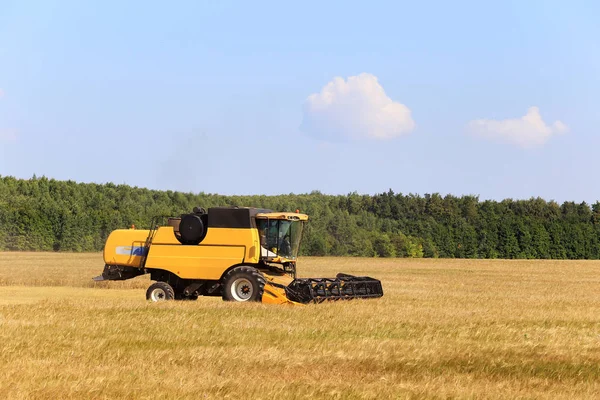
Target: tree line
[[41, 214]]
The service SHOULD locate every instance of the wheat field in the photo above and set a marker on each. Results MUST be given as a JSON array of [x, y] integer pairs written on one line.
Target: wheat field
[[444, 329]]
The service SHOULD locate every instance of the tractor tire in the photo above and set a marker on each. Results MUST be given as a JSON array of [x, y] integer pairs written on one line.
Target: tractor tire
[[243, 283], [160, 291]]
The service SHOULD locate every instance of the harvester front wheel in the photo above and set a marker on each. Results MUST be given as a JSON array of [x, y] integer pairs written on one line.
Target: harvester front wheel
[[160, 291], [243, 284]]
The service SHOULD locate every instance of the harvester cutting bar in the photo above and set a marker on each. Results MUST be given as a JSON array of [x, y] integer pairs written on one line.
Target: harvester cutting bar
[[342, 287]]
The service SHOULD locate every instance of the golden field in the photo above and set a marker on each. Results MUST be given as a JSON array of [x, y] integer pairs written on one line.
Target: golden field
[[444, 329]]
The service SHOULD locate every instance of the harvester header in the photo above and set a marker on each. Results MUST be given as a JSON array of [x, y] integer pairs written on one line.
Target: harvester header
[[238, 253]]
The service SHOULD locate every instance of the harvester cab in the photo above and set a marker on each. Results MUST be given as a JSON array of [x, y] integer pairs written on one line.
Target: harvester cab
[[238, 253], [280, 235]]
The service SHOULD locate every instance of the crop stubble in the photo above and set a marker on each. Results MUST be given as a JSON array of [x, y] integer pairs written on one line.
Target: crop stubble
[[444, 328]]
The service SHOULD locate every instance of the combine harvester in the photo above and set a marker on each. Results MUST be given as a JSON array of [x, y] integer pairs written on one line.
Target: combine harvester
[[241, 254]]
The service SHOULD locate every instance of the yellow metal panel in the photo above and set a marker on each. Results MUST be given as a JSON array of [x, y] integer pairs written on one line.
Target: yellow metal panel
[[195, 262], [247, 238], [274, 293], [253, 251], [125, 247], [220, 249], [231, 236], [165, 235]]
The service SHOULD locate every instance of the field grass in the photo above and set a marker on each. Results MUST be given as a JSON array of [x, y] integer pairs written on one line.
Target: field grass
[[444, 329]]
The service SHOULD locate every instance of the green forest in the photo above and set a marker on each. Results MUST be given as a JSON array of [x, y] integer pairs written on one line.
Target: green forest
[[41, 214]]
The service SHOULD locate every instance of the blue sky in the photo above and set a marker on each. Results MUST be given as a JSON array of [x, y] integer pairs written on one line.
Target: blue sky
[[216, 96]]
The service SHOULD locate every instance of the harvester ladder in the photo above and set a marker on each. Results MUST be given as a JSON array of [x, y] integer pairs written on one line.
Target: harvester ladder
[[149, 238]]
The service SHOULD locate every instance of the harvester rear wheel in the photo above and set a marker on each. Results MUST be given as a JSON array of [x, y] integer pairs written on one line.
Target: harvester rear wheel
[[160, 291], [243, 283]]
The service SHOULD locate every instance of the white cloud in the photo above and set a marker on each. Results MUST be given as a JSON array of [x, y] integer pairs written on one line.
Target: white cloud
[[527, 131], [355, 108]]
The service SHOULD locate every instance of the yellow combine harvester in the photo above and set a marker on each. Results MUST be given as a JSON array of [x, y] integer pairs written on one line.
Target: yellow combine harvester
[[239, 253]]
